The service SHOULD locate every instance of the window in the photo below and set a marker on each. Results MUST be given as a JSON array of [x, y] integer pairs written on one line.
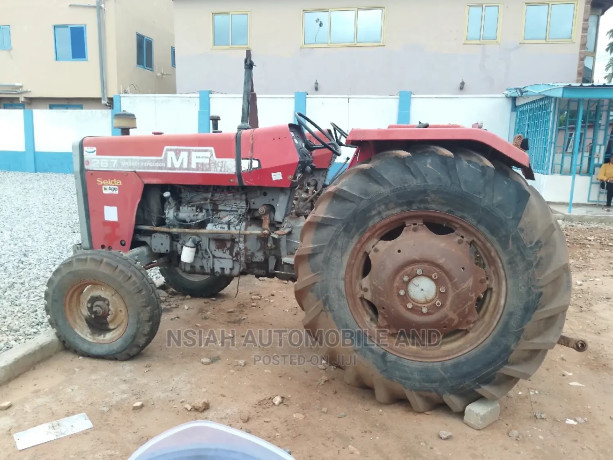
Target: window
[[5, 37], [549, 21], [173, 62], [482, 23], [144, 52], [70, 43], [14, 106], [590, 48], [231, 29], [66, 106], [354, 26]]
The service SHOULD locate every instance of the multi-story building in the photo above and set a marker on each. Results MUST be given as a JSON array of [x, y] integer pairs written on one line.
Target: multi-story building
[[365, 47], [73, 54]]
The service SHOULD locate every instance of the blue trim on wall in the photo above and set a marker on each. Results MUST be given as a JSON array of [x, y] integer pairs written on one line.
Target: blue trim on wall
[[404, 107], [300, 103], [44, 162], [116, 109], [204, 112], [54, 162], [12, 161], [334, 170], [28, 128]]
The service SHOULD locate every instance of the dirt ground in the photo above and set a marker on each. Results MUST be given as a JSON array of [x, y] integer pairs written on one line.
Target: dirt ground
[[319, 417]]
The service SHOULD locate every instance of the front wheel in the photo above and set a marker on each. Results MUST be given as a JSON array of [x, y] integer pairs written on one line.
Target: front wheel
[[446, 276], [194, 285], [103, 305]]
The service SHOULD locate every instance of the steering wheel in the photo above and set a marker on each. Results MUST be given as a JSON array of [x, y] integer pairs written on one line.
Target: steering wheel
[[304, 122]]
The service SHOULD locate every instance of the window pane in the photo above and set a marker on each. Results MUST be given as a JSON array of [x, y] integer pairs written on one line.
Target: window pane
[[77, 40], [140, 50], [370, 26], [561, 22], [148, 53], [490, 23], [342, 27], [588, 69], [63, 51], [173, 61], [239, 30], [221, 30], [536, 22], [316, 27], [592, 32], [5, 37], [474, 23]]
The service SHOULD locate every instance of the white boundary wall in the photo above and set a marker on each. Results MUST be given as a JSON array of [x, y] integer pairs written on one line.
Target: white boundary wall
[[12, 136], [493, 110], [170, 114], [56, 130]]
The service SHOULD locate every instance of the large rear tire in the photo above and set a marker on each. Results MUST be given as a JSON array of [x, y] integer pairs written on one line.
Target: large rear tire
[[103, 305], [458, 261], [194, 285]]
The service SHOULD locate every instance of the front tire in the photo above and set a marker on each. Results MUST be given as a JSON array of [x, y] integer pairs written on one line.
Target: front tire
[[379, 253], [103, 305], [194, 285]]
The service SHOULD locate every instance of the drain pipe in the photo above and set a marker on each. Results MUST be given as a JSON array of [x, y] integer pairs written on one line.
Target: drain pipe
[[101, 18]]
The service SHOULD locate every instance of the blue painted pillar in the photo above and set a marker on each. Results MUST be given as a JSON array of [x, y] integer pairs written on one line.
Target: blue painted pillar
[[404, 107], [204, 112], [28, 132], [300, 101], [576, 145], [116, 109]]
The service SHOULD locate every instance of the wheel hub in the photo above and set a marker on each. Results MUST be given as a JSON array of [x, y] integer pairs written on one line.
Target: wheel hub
[[425, 274], [96, 311], [425, 286]]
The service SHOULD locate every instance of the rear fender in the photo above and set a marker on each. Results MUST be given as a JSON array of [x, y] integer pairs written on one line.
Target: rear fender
[[372, 141]]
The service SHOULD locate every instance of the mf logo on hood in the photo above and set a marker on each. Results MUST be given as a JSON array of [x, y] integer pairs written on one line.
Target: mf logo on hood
[[173, 159]]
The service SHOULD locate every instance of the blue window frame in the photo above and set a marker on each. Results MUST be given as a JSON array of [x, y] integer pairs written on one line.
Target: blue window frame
[[5, 37], [172, 57], [144, 52], [14, 106], [70, 43], [66, 106]]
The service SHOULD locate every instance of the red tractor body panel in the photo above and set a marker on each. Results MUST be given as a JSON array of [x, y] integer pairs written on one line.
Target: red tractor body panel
[[117, 169], [366, 138]]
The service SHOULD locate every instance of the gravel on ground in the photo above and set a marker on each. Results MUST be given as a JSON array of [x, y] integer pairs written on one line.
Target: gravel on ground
[[39, 224]]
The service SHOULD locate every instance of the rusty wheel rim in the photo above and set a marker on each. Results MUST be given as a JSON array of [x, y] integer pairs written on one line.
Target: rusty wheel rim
[[96, 312], [425, 285]]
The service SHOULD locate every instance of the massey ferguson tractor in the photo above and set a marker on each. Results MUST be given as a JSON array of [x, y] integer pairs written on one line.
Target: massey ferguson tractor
[[431, 232]]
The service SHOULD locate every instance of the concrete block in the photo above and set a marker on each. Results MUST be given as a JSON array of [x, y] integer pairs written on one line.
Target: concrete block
[[481, 413], [23, 357]]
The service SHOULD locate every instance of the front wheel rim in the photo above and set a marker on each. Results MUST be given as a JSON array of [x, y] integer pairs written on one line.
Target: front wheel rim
[[96, 312], [425, 285]]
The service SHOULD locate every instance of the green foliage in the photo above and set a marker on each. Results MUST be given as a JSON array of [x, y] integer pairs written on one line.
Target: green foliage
[[609, 67]]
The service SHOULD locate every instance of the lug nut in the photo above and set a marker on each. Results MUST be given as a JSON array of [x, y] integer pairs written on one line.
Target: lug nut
[[401, 292], [409, 306], [442, 289], [434, 276], [438, 303], [419, 271], [405, 278], [424, 309]]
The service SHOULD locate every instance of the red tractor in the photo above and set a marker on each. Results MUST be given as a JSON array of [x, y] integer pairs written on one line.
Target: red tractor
[[442, 268]]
